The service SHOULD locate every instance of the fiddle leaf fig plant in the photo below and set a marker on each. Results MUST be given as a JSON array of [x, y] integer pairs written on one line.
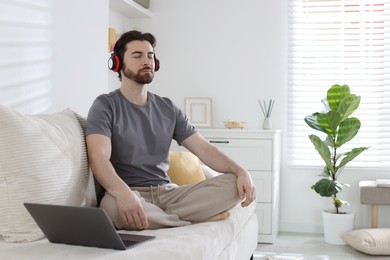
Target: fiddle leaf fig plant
[[339, 128]]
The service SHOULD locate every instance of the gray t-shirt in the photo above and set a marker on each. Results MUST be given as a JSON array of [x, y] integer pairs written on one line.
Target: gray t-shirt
[[140, 135]]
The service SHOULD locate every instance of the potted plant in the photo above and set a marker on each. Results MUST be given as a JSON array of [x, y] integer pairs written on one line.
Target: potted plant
[[339, 129]]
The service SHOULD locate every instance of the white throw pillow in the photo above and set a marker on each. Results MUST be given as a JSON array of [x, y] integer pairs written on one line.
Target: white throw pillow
[[43, 159], [372, 241]]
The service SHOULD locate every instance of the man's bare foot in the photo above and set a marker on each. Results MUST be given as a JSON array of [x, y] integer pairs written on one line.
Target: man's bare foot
[[218, 217]]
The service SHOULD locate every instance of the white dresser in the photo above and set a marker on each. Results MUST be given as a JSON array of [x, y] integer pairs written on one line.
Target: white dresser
[[259, 152]]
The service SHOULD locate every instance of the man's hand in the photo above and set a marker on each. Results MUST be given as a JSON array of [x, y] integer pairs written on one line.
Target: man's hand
[[246, 188], [132, 211]]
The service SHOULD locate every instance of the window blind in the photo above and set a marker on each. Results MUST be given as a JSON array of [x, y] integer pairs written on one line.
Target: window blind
[[339, 42], [25, 64]]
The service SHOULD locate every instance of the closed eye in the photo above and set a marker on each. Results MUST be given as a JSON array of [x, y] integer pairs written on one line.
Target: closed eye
[[136, 54]]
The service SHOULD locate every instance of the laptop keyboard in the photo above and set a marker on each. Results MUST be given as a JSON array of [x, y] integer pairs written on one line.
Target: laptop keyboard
[[129, 242], [126, 240]]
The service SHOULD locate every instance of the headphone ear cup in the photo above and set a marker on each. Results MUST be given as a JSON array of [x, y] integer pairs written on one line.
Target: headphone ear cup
[[156, 64], [114, 62]]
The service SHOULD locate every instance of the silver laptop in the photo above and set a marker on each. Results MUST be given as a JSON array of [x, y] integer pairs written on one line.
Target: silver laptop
[[81, 226]]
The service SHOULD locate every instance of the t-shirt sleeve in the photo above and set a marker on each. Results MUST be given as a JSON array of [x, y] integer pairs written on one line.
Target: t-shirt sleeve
[[183, 128], [99, 119]]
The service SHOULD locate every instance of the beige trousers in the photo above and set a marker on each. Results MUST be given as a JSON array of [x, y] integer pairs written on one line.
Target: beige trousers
[[170, 205]]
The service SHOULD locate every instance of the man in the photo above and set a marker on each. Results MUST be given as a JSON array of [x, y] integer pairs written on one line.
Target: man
[[129, 132]]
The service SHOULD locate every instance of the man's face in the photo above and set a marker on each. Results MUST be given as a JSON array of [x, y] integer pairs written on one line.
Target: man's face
[[138, 62]]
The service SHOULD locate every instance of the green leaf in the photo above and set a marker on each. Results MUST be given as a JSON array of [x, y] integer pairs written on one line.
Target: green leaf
[[323, 150], [329, 122], [349, 156], [311, 120], [326, 172], [347, 130], [327, 187], [348, 105], [344, 202], [335, 94], [339, 202]]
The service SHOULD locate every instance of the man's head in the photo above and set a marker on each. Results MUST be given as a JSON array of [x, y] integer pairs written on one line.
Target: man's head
[[133, 54]]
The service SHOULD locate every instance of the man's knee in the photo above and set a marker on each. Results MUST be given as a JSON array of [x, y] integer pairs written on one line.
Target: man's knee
[[229, 185], [229, 180]]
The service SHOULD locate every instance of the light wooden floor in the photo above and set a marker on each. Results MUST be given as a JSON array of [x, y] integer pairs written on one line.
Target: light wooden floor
[[298, 246]]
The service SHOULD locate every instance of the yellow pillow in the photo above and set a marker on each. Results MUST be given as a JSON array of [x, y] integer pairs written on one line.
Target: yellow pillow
[[185, 168]]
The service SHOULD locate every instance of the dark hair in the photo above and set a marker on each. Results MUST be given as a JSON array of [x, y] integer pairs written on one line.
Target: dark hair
[[124, 39]]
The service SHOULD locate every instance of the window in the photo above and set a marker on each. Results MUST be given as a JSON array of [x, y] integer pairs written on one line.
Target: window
[[25, 64], [339, 42]]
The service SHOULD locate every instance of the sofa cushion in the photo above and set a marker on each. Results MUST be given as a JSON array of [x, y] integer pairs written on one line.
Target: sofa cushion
[[372, 241], [209, 240], [42, 160], [185, 168]]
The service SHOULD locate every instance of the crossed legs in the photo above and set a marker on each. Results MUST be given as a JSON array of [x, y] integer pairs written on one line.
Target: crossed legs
[[171, 205]]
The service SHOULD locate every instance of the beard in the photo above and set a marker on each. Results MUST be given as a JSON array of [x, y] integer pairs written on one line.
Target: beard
[[145, 78]]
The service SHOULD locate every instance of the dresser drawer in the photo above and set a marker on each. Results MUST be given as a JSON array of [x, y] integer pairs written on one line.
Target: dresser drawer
[[250, 154], [263, 184], [264, 217]]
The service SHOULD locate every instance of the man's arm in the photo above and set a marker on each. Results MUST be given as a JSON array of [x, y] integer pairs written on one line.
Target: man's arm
[[218, 161], [129, 205]]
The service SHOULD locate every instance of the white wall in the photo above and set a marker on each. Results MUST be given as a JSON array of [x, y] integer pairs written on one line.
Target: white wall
[[80, 30], [231, 51]]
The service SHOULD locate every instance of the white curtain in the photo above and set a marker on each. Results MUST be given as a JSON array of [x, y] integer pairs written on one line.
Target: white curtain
[[339, 42]]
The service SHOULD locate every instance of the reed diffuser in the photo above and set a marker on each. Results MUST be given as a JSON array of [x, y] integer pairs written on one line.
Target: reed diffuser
[[267, 107]]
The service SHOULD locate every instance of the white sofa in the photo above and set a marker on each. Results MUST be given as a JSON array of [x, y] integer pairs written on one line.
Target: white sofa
[[43, 159]]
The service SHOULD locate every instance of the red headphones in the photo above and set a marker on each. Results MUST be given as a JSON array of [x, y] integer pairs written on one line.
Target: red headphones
[[114, 62]]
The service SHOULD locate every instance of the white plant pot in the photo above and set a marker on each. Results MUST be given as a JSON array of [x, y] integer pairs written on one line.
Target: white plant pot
[[335, 225]]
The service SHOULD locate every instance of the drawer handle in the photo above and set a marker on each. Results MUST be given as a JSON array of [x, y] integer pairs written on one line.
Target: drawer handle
[[219, 142]]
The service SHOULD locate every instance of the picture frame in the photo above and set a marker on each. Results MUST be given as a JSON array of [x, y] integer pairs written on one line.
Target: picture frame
[[198, 111]]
